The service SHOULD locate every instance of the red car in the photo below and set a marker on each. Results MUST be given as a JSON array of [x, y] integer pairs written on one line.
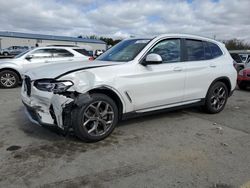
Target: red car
[[243, 79]]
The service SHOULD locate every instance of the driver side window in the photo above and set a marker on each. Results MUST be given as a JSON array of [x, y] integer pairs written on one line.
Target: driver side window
[[42, 53], [169, 50]]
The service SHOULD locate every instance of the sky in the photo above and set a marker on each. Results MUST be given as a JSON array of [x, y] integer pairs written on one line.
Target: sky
[[223, 19]]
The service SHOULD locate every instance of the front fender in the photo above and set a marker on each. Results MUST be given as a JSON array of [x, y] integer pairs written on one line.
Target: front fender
[[13, 66]]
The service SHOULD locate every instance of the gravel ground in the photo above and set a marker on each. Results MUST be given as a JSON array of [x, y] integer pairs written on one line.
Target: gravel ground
[[185, 148]]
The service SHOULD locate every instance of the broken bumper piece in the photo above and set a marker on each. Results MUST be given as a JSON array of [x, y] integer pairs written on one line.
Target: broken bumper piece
[[47, 108], [37, 118]]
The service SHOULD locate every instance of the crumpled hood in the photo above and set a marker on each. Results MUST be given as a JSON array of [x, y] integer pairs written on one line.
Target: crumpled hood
[[57, 69]]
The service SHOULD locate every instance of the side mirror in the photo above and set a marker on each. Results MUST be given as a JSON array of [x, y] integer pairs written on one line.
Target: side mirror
[[152, 59], [29, 57]]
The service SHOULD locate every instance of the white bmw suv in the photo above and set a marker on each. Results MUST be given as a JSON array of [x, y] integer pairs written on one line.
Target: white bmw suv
[[136, 76]]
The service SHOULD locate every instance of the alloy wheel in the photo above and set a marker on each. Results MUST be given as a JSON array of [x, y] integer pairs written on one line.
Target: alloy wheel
[[218, 98], [98, 118], [8, 80]]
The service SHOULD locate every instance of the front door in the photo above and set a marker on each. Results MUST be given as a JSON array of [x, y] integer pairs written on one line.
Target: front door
[[38, 58], [157, 85]]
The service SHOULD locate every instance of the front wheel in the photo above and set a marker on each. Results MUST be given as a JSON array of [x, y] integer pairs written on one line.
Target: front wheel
[[96, 119], [216, 98], [8, 79], [5, 53]]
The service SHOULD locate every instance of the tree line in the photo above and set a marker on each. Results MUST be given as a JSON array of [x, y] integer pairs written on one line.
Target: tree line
[[109, 41], [236, 44]]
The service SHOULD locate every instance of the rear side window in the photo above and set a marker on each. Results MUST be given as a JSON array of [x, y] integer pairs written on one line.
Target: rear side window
[[195, 50], [83, 52], [61, 53], [216, 51]]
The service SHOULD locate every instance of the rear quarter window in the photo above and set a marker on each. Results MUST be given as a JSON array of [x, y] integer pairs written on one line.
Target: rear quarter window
[[215, 49]]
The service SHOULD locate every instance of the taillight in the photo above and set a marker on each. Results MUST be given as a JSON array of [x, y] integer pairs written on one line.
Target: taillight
[[91, 58]]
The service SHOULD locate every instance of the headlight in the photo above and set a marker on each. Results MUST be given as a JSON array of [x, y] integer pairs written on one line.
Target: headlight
[[53, 86]]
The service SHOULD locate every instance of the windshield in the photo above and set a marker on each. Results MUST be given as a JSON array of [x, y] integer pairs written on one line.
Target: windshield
[[21, 54], [124, 51]]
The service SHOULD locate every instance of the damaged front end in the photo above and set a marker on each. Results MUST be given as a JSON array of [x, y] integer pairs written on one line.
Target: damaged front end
[[49, 103]]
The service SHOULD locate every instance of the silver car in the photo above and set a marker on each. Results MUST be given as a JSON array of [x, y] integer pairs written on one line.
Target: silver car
[[13, 50], [12, 69]]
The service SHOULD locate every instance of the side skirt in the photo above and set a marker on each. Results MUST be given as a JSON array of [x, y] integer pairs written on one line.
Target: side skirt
[[134, 114]]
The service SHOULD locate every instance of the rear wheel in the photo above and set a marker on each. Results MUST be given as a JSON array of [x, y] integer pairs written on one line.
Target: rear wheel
[[96, 119], [8, 79], [216, 98]]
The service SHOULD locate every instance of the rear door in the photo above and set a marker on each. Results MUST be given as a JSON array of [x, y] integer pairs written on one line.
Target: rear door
[[198, 69]]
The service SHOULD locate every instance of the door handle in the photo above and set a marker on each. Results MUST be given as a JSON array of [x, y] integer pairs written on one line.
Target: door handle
[[212, 66], [177, 69], [46, 61]]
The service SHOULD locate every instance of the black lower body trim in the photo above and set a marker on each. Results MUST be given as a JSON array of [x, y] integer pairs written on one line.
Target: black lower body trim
[[136, 114]]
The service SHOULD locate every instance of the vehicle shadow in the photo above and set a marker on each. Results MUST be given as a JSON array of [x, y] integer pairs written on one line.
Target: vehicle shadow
[[55, 134]]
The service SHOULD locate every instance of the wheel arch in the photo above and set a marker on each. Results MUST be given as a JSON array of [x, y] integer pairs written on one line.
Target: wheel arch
[[113, 95], [224, 80], [14, 70]]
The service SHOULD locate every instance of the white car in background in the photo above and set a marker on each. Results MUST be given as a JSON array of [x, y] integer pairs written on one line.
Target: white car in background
[[134, 77], [12, 69]]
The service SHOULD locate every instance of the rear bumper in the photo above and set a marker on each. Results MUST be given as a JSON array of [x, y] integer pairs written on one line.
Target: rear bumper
[[243, 78]]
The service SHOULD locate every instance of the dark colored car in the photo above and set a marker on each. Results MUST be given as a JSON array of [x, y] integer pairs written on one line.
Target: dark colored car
[[238, 63]]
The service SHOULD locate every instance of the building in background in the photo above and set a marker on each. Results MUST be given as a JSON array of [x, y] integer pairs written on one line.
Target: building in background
[[8, 39]]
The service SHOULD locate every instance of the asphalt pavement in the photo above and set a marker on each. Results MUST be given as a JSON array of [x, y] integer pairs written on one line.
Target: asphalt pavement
[[185, 148]]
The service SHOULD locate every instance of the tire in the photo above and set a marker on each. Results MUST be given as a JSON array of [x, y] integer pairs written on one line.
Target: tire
[[242, 86], [5, 53], [90, 118], [8, 79], [216, 98]]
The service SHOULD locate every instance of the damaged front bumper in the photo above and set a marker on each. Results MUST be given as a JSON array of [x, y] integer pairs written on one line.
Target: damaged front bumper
[[49, 109]]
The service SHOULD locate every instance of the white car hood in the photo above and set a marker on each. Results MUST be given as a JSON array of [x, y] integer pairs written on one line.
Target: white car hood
[[58, 69], [9, 61]]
